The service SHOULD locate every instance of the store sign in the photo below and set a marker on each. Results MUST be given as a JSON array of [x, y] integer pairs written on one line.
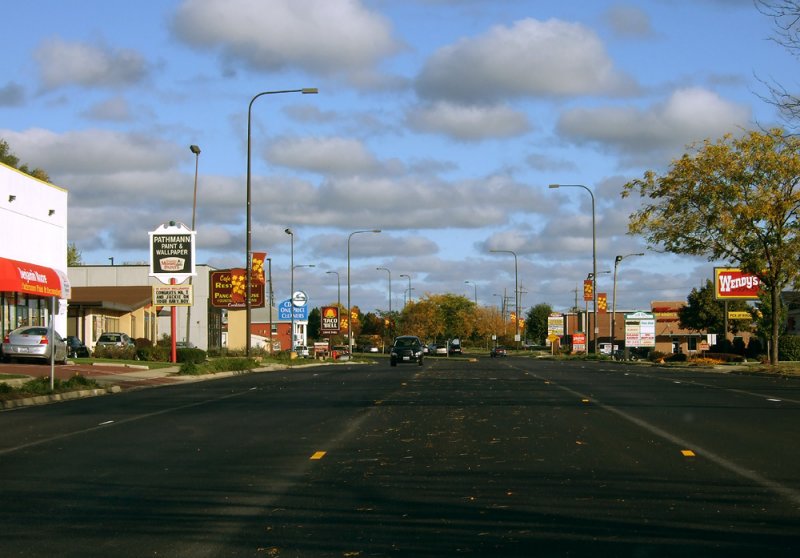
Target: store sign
[[578, 342], [555, 324], [229, 289], [330, 320], [640, 329], [285, 312], [172, 253], [172, 295], [733, 283]]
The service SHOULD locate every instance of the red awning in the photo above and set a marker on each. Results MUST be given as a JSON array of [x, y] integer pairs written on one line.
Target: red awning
[[32, 279]]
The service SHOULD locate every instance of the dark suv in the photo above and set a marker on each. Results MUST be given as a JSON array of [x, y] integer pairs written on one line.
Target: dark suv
[[406, 348]]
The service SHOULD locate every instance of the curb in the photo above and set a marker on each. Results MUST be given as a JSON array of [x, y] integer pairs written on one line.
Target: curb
[[57, 397]]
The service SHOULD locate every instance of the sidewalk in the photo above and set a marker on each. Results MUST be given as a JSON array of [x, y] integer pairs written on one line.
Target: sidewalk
[[112, 378]]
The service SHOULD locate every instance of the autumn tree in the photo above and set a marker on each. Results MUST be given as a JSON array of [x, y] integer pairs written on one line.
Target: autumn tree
[[74, 256], [733, 200], [785, 14]]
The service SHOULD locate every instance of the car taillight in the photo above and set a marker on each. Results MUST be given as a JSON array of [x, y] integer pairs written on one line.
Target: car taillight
[[44, 340], [6, 339]]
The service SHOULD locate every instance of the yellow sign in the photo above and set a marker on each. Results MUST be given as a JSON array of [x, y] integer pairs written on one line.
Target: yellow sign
[[739, 315]]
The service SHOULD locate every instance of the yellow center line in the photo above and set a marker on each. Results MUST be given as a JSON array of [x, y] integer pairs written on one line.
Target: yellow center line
[[318, 455]]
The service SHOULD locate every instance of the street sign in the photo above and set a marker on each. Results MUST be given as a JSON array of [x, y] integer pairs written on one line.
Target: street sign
[[172, 253], [330, 320], [640, 329], [172, 295]]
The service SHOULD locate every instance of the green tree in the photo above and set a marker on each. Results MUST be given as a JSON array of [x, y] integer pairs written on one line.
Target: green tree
[[536, 322], [733, 200], [8, 158], [74, 256], [703, 312], [314, 323]]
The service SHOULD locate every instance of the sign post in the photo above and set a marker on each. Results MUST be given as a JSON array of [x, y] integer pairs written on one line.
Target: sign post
[[172, 261]]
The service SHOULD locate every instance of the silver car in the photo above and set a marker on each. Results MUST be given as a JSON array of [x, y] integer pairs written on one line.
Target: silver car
[[33, 342]]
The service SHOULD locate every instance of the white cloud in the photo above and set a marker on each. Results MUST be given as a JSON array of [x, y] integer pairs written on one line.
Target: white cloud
[[335, 37], [688, 115], [530, 58], [115, 109], [468, 123], [335, 155], [64, 63]]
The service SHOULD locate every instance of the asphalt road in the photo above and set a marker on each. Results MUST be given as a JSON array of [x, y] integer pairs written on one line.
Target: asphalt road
[[500, 457]]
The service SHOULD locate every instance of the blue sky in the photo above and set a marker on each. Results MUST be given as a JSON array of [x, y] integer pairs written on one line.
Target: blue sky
[[439, 122]]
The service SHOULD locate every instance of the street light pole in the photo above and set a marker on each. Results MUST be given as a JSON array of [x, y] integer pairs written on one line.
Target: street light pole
[[349, 314], [249, 228], [516, 293], [475, 285], [269, 302], [291, 302], [617, 261], [594, 256], [196, 150], [291, 290], [409, 287]]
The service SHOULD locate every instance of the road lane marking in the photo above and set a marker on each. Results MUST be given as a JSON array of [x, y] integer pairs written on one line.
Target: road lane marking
[[318, 455], [687, 453]]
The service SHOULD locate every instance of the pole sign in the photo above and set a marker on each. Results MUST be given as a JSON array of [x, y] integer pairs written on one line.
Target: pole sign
[[172, 253], [578, 342], [555, 324], [640, 329], [330, 320], [733, 284], [229, 290], [285, 312], [172, 295]]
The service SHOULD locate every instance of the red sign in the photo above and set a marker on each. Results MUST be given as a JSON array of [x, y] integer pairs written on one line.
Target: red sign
[[602, 302], [733, 283], [330, 320], [229, 289], [578, 342], [587, 290]]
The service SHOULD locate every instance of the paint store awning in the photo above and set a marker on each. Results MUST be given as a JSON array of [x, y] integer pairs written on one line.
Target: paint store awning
[[32, 279]]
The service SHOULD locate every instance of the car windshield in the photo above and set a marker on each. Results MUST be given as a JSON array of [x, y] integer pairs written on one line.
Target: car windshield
[[112, 338], [35, 331], [404, 343]]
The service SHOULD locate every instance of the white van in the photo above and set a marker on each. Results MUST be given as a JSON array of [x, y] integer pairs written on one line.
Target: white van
[[302, 351]]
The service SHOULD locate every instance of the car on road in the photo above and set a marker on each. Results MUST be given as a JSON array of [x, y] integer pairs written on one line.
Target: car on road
[[76, 348], [406, 348], [498, 351], [33, 342]]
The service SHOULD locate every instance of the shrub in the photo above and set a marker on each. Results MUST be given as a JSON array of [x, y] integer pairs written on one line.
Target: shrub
[[676, 357], [123, 353], [789, 347], [192, 355]]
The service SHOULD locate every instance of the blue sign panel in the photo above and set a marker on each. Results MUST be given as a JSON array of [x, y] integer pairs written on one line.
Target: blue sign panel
[[285, 312]]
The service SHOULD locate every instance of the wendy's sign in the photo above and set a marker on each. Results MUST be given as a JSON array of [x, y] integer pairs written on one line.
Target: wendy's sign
[[733, 283]]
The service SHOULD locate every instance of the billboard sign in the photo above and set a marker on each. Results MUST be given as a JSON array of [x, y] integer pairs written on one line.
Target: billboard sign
[[733, 284], [330, 320], [578, 342], [172, 253], [640, 329], [229, 288]]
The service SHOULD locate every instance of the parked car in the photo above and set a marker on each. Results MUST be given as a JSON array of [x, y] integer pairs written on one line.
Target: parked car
[[115, 339], [33, 342], [340, 352], [498, 351], [302, 351], [76, 348], [406, 348], [455, 347]]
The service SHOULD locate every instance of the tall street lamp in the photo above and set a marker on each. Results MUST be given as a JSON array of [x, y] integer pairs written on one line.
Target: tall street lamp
[[387, 270], [516, 292], [594, 255], [291, 289], [196, 150], [617, 261], [409, 287], [249, 228], [475, 285], [270, 302], [338, 289], [349, 314]]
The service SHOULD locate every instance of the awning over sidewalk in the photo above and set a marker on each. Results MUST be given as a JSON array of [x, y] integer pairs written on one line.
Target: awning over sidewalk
[[32, 279]]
